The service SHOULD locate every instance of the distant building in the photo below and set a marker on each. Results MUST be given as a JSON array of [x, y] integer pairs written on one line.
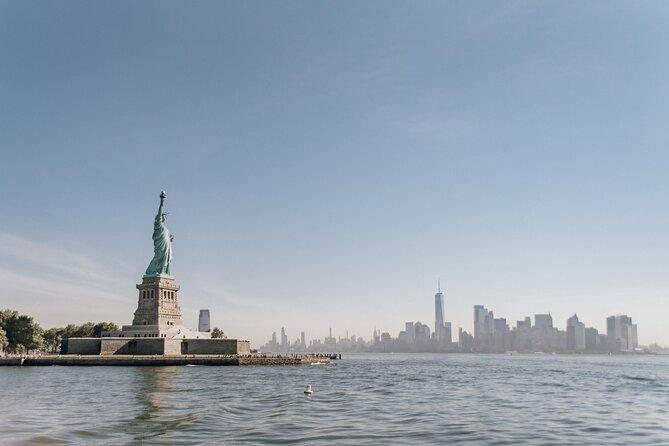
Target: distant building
[[500, 325], [403, 337], [632, 337], [421, 333], [204, 323], [386, 341], [447, 337], [439, 316], [602, 342], [621, 333], [303, 340], [411, 332], [543, 336], [592, 340], [330, 342], [501, 339], [465, 341], [525, 324], [543, 320], [284, 339], [483, 326], [575, 334], [483, 321]]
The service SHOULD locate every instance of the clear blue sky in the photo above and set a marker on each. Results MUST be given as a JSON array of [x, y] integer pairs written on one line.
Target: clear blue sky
[[326, 162]]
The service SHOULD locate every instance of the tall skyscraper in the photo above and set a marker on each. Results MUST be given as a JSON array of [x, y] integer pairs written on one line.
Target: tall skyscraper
[[439, 314], [483, 321], [303, 340], [575, 334], [501, 339], [204, 323], [621, 333], [421, 333], [284, 339], [447, 337], [411, 332], [613, 331]]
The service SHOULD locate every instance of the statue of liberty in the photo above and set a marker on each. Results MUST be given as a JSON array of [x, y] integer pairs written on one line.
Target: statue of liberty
[[162, 244]]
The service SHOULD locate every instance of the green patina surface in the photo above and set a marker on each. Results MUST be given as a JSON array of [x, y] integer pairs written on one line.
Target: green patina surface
[[162, 244]]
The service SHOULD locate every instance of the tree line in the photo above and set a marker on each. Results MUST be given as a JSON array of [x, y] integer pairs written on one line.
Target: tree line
[[20, 333]]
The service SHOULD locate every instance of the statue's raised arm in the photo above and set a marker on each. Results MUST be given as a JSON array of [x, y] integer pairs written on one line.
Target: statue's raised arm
[[161, 215], [162, 244]]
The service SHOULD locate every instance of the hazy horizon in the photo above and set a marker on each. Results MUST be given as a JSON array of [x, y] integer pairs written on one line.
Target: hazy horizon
[[324, 168]]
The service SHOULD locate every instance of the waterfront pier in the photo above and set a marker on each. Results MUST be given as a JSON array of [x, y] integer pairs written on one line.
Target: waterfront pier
[[164, 360]]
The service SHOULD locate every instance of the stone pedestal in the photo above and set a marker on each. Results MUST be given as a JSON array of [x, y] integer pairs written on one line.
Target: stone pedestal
[[158, 314], [158, 302]]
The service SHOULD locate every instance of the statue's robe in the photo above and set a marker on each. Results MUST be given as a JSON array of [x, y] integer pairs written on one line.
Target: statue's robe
[[162, 248]]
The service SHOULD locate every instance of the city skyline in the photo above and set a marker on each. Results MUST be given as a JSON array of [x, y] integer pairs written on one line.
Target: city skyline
[[329, 168], [489, 335], [620, 337]]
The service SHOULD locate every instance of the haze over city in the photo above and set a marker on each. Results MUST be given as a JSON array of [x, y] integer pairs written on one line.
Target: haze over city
[[325, 168]]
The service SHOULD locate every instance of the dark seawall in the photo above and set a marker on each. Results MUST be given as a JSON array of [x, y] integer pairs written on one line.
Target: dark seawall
[[156, 360]]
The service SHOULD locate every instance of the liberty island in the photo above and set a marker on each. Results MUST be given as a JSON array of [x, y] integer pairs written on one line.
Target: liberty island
[[157, 335]]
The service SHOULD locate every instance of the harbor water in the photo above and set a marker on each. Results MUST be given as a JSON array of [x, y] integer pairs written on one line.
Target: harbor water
[[364, 399]]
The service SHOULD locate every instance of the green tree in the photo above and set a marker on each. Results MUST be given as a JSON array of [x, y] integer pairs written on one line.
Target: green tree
[[53, 338], [84, 330], [104, 326], [217, 333], [3, 340], [23, 333], [70, 331], [20, 333], [7, 315]]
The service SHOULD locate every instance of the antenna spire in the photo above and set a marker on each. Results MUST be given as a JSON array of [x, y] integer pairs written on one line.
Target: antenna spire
[[439, 285]]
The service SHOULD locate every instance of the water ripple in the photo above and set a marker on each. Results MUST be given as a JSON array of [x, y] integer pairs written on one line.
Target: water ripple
[[361, 400]]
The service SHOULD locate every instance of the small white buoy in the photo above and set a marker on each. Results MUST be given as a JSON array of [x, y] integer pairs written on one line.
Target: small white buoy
[[308, 391]]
